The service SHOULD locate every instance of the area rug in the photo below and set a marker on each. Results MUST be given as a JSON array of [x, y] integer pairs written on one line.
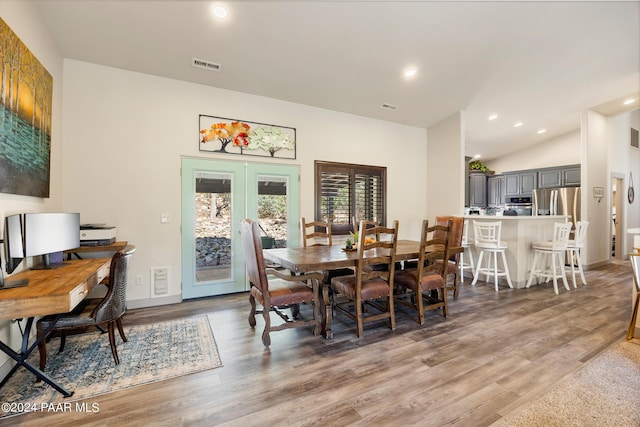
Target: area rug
[[153, 352], [605, 392]]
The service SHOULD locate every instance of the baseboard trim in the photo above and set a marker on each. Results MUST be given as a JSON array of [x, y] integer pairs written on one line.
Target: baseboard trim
[[152, 302]]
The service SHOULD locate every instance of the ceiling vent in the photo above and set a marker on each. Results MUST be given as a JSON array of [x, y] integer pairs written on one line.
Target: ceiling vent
[[206, 65], [388, 107]]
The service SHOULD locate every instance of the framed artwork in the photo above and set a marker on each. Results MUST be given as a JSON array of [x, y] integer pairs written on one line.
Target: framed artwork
[[221, 135], [25, 118]]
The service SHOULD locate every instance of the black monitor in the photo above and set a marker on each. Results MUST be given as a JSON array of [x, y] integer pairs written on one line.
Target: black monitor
[[49, 234], [13, 250]]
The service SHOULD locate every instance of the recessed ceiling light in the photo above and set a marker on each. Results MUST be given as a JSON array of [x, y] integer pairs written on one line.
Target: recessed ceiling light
[[541, 131], [518, 124], [492, 117], [410, 72], [629, 101], [219, 11]]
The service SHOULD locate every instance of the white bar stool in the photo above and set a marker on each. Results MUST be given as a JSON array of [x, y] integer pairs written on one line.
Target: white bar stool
[[467, 252], [573, 249], [487, 239], [556, 249]]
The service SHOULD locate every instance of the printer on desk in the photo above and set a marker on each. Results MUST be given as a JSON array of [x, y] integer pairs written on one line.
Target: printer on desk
[[97, 235]]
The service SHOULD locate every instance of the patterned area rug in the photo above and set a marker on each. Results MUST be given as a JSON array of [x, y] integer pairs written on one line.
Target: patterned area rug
[[153, 352], [604, 392]]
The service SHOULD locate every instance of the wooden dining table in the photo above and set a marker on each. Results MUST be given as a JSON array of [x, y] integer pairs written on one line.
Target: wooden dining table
[[322, 258]]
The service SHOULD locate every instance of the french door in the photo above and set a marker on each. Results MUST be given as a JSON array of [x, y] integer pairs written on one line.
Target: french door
[[216, 196]]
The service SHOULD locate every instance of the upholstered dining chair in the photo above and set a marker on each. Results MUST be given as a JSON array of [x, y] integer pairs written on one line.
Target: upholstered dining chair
[[281, 292], [376, 245], [95, 311], [455, 241], [423, 288], [635, 267]]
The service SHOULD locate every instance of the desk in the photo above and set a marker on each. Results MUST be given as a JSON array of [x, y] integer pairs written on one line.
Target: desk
[[115, 247], [320, 258], [48, 292]]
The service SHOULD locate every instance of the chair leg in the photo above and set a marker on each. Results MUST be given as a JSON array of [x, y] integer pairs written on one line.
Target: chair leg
[[42, 349], [121, 329], [553, 273], [634, 318], [63, 340], [478, 267], [495, 269], [563, 273], [359, 324], [252, 312], [112, 341], [266, 313], [573, 267], [580, 269], [506, 269]]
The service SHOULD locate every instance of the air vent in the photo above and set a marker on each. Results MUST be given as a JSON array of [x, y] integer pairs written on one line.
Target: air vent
[[206, 65], [388, 107]]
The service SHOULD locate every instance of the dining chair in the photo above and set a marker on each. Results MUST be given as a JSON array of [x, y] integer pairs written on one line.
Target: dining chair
[[376, 245], [315, 233], [97, 312], [635, 267], [455, 241], [423, 288], [574, 249], [556, 249], [283, 291]]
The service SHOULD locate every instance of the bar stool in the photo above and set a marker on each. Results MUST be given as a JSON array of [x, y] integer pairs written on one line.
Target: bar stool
[[467, 251], [573, 250], [487, 239], [555, 248]]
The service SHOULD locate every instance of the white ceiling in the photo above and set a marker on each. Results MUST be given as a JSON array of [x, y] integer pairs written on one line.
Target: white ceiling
[[538, 62]]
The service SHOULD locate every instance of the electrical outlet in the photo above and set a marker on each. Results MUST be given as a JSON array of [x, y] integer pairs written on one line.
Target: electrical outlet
[[139, 280]]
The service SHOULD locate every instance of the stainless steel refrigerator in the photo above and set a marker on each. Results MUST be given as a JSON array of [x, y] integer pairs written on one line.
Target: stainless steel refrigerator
[[557, 201]]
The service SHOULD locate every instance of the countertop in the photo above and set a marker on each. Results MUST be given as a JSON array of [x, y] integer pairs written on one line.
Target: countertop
[[511, 218]]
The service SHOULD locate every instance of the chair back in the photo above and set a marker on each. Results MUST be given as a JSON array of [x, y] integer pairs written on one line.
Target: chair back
[[434, 248], [635, 267], [561, 233], [377, 246], [315, 233], [114, 303], [253, 257], [580, 235], [455, 234], [487, 234]]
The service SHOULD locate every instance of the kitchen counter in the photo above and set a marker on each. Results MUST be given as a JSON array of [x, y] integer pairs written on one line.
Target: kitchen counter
[[518, 232]]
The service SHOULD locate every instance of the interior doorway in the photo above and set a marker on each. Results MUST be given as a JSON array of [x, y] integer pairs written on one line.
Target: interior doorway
[[617, 217]]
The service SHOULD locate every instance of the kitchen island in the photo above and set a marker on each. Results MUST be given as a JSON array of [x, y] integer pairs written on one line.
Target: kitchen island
[[518, 232]]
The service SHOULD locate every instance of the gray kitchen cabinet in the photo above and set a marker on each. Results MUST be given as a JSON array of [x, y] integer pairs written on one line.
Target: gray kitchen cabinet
[[495, 191], [564, 176], [520, 184], [477, 189]]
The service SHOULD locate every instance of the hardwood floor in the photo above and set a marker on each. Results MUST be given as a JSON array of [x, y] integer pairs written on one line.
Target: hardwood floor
[[494, 352]]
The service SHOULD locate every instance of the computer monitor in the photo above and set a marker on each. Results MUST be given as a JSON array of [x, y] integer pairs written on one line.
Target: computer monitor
[[13, 250], [48, 234]]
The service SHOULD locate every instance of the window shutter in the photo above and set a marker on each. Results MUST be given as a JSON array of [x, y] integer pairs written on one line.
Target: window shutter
[[335, 196]]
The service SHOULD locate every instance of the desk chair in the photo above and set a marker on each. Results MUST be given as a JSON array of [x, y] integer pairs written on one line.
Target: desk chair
[[635, 266], [95, 311]]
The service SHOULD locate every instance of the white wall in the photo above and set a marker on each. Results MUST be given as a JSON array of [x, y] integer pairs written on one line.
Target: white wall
[[558, 151], [595, 173], [125, 133], [24, 22], [445, 167]]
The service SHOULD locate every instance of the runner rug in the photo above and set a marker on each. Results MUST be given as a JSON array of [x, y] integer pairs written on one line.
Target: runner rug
[[153, 352]]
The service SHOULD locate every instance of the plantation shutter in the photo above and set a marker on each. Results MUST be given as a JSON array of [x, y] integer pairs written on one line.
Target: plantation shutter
[[345, 191]]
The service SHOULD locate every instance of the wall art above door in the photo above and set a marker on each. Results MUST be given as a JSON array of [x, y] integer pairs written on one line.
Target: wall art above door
[[222, 135]]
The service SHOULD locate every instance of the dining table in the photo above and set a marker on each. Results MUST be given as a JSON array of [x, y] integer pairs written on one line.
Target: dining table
[[323, 258]]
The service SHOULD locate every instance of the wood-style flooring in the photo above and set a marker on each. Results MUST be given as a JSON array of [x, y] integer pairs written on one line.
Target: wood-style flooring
[[494, 352]]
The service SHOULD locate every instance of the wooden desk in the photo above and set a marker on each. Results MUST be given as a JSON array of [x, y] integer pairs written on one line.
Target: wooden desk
[[58, 290], [320, 258]]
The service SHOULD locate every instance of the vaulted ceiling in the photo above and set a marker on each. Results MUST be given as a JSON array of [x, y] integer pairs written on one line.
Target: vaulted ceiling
[[540, 63]]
